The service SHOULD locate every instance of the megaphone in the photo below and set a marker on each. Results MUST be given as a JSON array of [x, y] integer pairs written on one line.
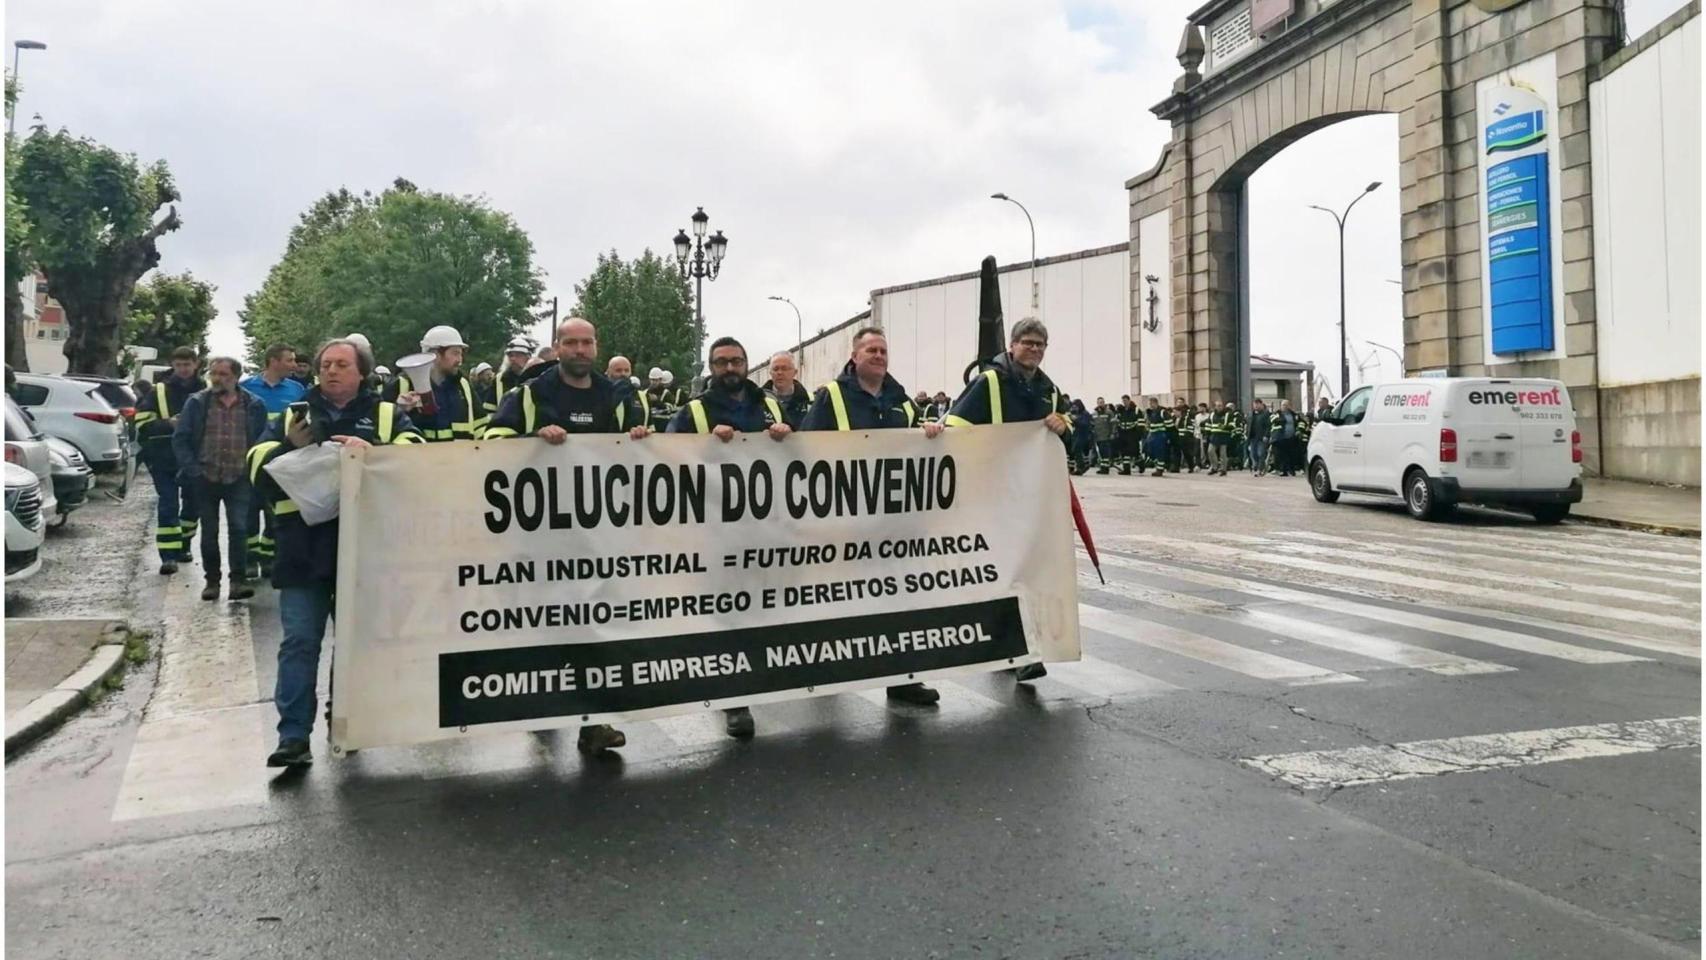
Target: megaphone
[[418, 368]]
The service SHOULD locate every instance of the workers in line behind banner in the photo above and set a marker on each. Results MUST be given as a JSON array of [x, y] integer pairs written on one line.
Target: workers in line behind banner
[[731, 404], [156, 418], [574, 399], [865, 397], [277, 389], [784, 386], [663, 398], [210, 446], [1014, 388], [340, 409], [445, 409]]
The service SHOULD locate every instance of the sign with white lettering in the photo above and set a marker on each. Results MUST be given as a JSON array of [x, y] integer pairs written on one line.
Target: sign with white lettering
[[1518, 252], [515, 585]]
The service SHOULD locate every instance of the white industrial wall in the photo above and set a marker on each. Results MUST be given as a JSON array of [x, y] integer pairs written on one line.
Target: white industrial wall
[[1646, 213], [1155, 259], [932, 329]]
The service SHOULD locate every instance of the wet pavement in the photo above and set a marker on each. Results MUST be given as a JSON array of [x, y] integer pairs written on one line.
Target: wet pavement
[[1122, 807]]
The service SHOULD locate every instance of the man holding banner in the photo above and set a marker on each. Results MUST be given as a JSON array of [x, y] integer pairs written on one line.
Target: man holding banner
[[573, 399], [342, 410], [731, 404], [1013, 389], [865, 397]]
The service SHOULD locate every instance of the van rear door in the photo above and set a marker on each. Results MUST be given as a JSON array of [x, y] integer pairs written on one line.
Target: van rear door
[[1548, 421], [1489, 427]]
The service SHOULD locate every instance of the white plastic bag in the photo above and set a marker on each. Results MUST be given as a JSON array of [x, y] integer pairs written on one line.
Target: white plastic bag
[[309, 477]]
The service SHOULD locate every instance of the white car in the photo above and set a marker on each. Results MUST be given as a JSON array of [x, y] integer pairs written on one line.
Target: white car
[[25, 525], [75, 411], [26, 446], [1441, 442]]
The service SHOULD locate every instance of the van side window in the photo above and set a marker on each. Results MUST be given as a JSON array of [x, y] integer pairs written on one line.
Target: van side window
[[1355, 406]]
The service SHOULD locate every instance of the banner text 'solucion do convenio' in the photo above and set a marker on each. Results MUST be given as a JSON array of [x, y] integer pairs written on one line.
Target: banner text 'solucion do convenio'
[[519, 585]]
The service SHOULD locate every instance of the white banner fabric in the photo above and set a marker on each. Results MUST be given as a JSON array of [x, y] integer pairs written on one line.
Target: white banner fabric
[[515, 585]]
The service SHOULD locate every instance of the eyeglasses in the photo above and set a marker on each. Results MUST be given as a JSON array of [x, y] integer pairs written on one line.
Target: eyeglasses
[[1033, 344], [723, 363]]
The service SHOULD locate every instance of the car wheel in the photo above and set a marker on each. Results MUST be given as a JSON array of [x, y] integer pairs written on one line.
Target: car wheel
[[1419, 496], [1321, 484], [1550, 513]]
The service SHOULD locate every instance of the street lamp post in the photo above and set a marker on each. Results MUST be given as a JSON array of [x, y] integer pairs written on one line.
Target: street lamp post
[[1033, 225], [799, 325], [1344, 358], [18, 47], [707, 258], [1396, 354]]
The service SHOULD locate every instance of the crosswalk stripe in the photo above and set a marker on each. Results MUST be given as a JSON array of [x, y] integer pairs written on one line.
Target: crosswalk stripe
[[1102, 679], [691, 730], [1308, 631], [1618, 546], [1359, 766], [957, 700], [1512, 597], [1493, 636], [1514, 579], [1660, 576], [1673, 564], [1219, 653]]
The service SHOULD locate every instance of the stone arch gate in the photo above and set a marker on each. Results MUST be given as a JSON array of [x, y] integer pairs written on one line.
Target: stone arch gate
[[1260, 74]]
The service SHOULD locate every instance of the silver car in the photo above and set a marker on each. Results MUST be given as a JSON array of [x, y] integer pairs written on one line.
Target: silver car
[[75, 411], [24, 528], [26, 446]]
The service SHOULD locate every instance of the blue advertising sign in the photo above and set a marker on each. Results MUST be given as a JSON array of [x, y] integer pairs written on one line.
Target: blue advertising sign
[[1519, 254]]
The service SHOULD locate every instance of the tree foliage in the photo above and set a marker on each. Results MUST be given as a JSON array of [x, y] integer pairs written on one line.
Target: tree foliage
[[18, 261], [170, 311], [93, 216], [643, 310], [392, 265]]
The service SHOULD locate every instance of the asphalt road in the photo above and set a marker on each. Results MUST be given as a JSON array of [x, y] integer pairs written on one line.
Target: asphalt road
[[1298, 731]]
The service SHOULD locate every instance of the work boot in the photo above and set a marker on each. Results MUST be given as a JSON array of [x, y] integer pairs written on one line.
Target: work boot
[[240, 589], [168, 567], [252, 571], [1125, 469], [291, 752], [599, 738], [1159, 471], [914, 693], [738, 723], [1029, 672], [211, 591]]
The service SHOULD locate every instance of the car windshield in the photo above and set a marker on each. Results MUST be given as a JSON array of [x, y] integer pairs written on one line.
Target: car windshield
[[19, 426]]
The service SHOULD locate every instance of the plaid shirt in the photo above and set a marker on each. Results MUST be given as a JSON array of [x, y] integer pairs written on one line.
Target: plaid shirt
[[224, 443]]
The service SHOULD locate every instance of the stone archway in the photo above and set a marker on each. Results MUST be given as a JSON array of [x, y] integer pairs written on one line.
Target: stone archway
[[1259, 75]]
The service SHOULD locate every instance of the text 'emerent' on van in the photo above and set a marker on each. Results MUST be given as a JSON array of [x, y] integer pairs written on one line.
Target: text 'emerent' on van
[[1441, 442]]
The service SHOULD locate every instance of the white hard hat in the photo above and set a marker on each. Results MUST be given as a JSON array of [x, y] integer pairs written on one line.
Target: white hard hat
[[519, 345], [482, 368], [360, 341], [440, 337], [634, 380], [654, 374], [382, 370], [668, 378]]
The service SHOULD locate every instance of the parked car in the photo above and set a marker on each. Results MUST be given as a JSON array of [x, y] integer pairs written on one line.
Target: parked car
[[1441, 442], [76, 410], [24, 523], [26, 446], [72, 478]]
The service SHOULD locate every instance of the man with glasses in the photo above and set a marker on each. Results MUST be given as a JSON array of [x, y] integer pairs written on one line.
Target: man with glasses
[[1013, 389], [731, 404]]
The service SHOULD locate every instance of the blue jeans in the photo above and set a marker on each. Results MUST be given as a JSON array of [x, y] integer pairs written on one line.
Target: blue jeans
[[1259, 454], [176, 513], [235, 497], [302, 612]]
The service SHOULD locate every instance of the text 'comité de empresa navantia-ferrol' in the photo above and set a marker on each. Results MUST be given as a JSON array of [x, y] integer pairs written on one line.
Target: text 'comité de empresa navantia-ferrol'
[[618, 495]]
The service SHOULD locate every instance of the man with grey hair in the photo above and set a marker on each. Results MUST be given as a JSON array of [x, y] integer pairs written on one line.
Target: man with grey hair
[[211, 443], [784, 385], [1011, 389]]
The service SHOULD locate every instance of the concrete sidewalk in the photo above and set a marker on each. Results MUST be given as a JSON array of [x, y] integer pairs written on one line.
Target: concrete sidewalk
[[52, 669], [1640, 506]]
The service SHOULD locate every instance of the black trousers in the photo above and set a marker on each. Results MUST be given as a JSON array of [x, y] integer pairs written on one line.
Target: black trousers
[[235, 497]]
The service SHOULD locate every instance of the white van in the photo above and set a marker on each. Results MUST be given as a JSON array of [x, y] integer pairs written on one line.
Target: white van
[[1441, 442]]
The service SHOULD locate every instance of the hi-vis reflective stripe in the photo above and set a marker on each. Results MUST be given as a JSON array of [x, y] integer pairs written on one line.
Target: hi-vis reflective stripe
[[645, 406], [701, 424], [258, 453], [996, 414], [470, 429], [529, 412], [161, 409], [775, 410], [840, 405]]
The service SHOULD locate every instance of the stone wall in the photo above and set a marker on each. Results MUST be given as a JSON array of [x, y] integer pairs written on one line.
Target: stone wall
[[1652, 432]]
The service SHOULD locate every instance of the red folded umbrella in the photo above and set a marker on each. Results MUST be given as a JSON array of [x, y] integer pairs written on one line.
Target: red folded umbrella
[[1084, 531]]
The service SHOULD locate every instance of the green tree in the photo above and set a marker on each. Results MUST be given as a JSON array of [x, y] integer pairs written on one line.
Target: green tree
[[643, 310], [391, 266], [170, 311], [18, 261], [91, 214]]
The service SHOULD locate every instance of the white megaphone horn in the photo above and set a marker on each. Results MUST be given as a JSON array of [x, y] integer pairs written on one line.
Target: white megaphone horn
[[417, 367]]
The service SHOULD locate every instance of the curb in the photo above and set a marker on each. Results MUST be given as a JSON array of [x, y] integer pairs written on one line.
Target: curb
[[1689, 533], [53, 707]]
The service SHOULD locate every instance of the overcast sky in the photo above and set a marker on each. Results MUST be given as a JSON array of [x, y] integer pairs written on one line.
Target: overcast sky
[[840, 148]]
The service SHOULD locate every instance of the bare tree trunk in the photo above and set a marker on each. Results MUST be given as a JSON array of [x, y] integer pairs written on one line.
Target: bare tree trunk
[[96, 323], [16, 354]]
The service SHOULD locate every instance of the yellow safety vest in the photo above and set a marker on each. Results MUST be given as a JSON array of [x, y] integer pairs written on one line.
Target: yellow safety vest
[[838, 404], [385, 423], [995, 413], [472, 428], [530, 418], [702, 423]]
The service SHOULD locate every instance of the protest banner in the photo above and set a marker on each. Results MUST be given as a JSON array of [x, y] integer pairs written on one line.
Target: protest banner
[[516, 585]]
